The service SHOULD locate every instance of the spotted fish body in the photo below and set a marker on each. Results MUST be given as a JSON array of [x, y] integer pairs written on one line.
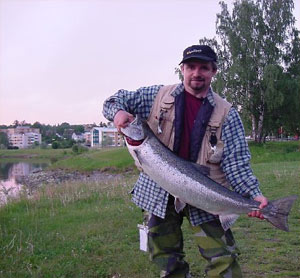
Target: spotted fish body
[[189, 183]]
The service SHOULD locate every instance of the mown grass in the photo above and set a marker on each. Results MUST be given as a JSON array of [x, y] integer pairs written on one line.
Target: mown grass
[[114, 159], [275, 151], [89, 230]]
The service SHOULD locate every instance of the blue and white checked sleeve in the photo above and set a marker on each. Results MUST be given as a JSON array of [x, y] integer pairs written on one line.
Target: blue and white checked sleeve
[[236, 157], [134, 102]]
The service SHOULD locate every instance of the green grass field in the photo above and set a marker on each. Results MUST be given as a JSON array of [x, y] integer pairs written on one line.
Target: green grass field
[[90, 229]]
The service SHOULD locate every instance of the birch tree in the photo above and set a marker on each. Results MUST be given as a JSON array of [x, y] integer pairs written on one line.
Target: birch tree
[[253, 43]]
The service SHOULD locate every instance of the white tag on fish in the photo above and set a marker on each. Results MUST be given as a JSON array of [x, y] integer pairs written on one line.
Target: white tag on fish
[[143, 229]]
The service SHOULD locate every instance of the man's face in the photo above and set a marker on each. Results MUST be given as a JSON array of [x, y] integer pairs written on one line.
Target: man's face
[[197, 76]]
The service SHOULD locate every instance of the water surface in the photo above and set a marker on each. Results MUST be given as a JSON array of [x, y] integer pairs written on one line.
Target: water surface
[[9, 173]]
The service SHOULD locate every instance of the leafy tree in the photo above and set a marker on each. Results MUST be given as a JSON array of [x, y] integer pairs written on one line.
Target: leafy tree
[[61, 128], [37, 125], [255, 41], [78, 128], [15, 123], [4, 143]]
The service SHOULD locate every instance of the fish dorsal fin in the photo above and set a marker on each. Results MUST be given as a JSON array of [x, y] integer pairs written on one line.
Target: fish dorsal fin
[[228, 220], [204, 170]]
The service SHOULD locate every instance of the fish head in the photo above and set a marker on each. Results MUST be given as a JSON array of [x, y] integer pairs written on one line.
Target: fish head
[[135, 130]]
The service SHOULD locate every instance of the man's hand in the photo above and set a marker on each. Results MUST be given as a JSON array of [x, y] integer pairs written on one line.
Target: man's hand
[[263, 203], [122, 119]]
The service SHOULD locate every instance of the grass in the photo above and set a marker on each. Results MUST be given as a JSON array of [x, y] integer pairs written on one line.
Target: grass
[[89, 230], [275, 151], [115, 159], [35, 153]]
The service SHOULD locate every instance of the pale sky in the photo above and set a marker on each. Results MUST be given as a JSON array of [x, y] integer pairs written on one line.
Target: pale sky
[[60, 59]]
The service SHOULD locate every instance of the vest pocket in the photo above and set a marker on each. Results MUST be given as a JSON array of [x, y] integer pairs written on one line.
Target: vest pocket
[[214, 146]]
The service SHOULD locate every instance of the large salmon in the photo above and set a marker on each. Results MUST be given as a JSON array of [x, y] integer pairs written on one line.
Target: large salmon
[[189, 182]]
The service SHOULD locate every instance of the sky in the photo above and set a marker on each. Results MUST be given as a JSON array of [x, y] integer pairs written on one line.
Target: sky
[[60, 59]]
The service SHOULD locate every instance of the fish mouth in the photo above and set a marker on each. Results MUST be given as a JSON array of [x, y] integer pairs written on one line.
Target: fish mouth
[[135, 143]]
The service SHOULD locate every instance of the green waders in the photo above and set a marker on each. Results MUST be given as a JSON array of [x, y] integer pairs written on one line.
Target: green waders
[[215, 245]]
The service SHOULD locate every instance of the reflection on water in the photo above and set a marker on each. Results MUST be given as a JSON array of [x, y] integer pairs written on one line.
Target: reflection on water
[[9, 172]]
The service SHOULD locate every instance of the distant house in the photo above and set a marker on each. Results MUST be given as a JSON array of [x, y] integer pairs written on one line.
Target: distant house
[[106, 137], [23, 136], [77, 136]]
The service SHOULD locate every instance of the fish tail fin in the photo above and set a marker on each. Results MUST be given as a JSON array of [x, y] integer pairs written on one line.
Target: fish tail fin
[[277, 211]]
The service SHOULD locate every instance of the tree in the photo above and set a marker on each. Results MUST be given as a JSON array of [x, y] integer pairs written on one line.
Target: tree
[[15, 123], [253, 47], [4, 143]]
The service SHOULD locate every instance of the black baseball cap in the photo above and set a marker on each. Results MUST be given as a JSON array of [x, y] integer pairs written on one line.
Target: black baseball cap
[[200, 52]]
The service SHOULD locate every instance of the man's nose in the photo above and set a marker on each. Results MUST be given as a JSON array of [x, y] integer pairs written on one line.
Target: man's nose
[[197, 72]]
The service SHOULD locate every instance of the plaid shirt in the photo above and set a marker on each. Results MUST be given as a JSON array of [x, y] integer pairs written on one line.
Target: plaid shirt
[[235, 161]]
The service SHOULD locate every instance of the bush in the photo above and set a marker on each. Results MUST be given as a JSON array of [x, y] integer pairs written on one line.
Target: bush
[[78, 149], [55, 145]]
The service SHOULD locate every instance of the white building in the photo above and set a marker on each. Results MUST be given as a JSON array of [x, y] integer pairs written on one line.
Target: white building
[[77, 137], [106, 137], [23, 136], [24, 140]]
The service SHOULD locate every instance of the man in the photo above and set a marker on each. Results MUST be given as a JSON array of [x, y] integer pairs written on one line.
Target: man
[[200, 126]]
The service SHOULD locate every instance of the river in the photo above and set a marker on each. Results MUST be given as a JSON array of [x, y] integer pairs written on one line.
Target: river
[[9, 173]]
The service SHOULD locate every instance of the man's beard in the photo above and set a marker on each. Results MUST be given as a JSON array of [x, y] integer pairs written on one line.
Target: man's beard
[[198, 87]]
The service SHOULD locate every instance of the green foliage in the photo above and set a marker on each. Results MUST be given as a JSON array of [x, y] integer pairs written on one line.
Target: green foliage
[[78, 149], [259, 63], [4, 143], [62, 143], [55, 145], [272, 152]]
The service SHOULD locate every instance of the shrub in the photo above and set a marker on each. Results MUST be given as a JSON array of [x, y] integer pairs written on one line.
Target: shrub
[[78, 149]]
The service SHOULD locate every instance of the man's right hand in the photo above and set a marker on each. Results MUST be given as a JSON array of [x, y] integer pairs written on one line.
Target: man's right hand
[[122, 119]]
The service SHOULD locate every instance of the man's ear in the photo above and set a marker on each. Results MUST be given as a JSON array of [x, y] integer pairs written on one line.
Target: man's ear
[[181, 67]]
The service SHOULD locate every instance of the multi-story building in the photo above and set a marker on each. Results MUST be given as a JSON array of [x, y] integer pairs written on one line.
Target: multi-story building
[[23, 136], [106, 137]]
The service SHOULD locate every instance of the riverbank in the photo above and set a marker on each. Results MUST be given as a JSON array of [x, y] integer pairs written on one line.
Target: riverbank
[[57, 176], [108, 159], [35, 153]]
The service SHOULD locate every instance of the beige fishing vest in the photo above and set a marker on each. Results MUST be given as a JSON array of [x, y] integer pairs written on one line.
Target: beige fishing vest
[[161, 121]]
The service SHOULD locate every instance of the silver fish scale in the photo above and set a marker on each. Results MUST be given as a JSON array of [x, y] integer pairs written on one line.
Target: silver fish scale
[[181, 180]]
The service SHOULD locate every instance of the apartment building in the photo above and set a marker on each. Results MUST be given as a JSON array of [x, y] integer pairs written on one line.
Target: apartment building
[[23, 136], [106, 137]]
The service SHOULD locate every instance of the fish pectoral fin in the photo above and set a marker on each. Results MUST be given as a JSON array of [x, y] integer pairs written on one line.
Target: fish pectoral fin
[[228, 220], [204, 170], [179, 205]]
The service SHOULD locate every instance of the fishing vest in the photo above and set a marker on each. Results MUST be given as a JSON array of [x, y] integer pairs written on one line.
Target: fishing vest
[[161, 121]]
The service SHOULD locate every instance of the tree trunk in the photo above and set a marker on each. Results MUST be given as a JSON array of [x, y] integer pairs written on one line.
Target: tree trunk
[[260, 127], [253, 124]]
